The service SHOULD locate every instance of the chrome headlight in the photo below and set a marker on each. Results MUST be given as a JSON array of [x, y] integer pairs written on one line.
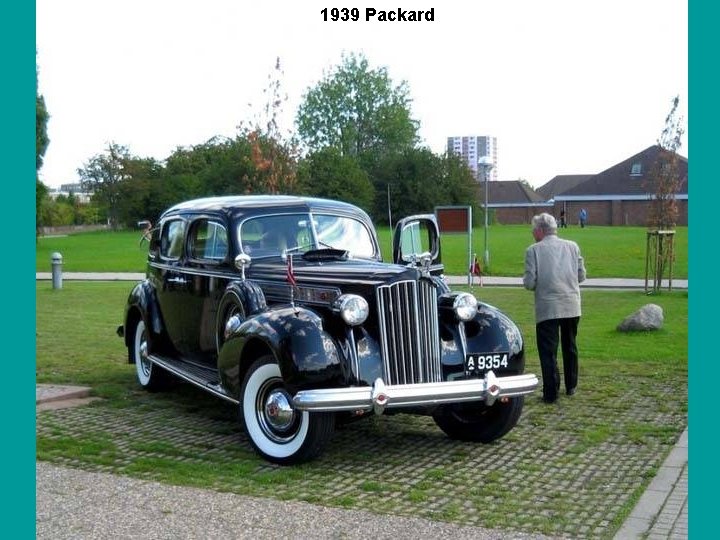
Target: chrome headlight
[[353, 309], [465, 306]]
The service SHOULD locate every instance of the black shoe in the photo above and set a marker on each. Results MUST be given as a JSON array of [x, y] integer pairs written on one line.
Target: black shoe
[[549, 401], [571, 392]]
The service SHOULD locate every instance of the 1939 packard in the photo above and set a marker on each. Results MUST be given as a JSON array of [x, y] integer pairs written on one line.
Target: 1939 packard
[[283, 306]]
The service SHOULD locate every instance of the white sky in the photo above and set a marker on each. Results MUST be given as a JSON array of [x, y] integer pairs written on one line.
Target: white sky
[[567, 86]]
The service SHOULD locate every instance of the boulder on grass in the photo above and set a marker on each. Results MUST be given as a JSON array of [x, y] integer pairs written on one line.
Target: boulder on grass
[[648, 317]]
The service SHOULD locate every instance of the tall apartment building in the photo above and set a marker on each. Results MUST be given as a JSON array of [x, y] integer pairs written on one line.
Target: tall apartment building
[[473, 148]]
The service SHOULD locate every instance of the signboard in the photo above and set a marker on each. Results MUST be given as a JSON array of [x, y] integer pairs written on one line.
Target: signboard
[[458, 219]]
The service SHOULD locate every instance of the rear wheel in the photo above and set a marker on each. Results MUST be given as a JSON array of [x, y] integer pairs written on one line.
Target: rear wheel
[[278, 431], [477, 422], [150, 376]]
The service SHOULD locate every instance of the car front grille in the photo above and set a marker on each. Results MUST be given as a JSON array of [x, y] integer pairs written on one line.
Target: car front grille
[[409, 333]]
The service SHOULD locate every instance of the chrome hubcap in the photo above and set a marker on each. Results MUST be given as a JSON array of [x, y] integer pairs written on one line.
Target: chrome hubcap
[[145, 362], [278, 411]]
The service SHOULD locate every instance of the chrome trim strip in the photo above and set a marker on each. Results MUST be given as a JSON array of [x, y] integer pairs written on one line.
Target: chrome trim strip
[[195, 271], [381, 396]]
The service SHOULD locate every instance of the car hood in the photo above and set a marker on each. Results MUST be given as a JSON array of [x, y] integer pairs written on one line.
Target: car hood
[[332, 273]]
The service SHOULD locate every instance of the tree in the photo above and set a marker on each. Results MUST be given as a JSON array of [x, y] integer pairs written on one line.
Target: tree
[[664, 177], [219, 166], [273, 155], [103, 176], [41, 143], [663, 180], [327, 173], [357, 110], [139, 196], [419, 180], [41, 137]]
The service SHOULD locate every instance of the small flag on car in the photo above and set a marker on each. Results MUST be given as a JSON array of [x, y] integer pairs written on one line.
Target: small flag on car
[[290, 273]]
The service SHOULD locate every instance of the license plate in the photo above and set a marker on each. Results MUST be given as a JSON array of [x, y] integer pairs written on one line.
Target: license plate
[[479, 364]]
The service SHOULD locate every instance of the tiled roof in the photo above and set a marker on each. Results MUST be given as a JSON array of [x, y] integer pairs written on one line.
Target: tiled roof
[[630, 177], [560, 184], [508, 192]]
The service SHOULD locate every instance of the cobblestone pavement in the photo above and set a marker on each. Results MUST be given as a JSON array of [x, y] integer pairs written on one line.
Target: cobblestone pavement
[[564, 471]]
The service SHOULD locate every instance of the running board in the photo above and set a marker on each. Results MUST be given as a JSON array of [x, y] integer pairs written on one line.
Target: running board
[[204, 378]]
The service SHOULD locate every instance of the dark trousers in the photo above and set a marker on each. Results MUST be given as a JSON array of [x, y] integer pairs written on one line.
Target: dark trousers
[[548, 334]]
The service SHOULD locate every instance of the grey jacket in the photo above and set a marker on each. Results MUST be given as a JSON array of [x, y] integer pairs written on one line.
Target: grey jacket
[[553, 269]]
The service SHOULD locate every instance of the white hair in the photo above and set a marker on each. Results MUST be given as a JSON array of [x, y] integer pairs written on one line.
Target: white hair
[[545, 222]]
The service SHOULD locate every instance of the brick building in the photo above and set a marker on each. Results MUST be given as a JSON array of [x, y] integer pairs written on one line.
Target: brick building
[[621, 194], [512, 201]]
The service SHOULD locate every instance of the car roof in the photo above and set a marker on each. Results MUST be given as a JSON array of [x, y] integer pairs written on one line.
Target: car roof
[[239, 205]]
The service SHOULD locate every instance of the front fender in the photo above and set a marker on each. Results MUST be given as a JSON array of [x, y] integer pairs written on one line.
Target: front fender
[[493, 331], [308, 357], [490, 331]]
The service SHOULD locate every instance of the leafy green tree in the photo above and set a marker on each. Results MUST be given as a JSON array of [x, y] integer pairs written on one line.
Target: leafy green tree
[[357, 110], [103, 176], [138, 194], [41, 143], [219, 166], [58, 212], [327, 173], [417, 180], [41, 137], [410, 180]]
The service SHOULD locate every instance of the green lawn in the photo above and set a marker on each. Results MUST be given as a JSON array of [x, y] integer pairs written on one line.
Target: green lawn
[[101, 251], [76, 339], [608, 251]]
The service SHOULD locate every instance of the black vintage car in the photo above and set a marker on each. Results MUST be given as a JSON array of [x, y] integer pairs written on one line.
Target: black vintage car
[[282, 306]]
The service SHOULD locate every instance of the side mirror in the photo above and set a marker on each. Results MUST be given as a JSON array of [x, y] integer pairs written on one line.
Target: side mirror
[[242, 262], [417, 241], [146, 226]]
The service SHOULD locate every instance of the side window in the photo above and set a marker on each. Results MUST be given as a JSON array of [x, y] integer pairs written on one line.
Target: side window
[[171, 239], [208, 240], [410, 241]]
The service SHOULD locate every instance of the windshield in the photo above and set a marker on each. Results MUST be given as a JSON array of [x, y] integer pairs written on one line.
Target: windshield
[[271, 236]]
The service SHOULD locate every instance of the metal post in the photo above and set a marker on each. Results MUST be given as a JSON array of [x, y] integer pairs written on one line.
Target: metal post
[[487, 251], [470, 253], [389, 211], [56, 261], [486, 163]]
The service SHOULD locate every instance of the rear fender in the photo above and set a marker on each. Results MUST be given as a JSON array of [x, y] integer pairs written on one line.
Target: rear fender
[[142, 298]]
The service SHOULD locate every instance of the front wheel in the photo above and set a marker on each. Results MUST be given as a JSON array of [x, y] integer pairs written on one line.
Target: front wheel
[[150, 376], [477, 422], [277, 431]]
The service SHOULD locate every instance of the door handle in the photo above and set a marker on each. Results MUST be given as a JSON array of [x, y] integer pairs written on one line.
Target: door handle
[[177, 280]]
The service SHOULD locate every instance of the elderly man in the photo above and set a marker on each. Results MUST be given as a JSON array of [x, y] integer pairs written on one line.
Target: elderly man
[[554, 269]]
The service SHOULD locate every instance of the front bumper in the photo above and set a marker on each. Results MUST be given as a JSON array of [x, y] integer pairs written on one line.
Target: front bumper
[[380, 396]]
